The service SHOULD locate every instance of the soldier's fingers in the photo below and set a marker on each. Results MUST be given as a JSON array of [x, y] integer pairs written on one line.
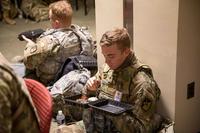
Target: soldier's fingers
[[92, 88], [26, 39], [91, 81], [92, 85]]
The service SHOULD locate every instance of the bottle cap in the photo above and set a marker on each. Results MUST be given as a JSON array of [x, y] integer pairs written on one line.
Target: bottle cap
[[60, 112]]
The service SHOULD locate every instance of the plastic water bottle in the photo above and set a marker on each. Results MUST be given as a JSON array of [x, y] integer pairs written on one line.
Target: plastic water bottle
[[60, 118]]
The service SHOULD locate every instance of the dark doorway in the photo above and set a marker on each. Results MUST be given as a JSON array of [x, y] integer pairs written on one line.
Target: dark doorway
[[128, 17]]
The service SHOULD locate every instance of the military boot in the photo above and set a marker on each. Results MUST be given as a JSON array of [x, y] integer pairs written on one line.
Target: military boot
[[7, 19]]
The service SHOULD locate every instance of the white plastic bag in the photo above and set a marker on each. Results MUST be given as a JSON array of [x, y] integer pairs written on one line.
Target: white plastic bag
[[168, 128]]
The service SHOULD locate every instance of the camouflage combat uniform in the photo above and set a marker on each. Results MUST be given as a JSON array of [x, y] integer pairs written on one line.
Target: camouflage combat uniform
[[17, 113], [137, 87], [52, 48]]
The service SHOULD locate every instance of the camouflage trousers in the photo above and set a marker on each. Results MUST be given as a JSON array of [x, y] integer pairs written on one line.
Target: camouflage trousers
[[98, 123], [7, 5]]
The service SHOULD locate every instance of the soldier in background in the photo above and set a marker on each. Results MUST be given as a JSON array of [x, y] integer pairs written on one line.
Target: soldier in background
[[17, 113], [45, 57], [123, 79], [8, 11], [36, 10]]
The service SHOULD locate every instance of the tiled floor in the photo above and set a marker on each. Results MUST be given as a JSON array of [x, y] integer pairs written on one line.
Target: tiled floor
[[10, 46]]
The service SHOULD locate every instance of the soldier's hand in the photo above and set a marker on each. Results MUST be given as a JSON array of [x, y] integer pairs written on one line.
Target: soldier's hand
[[92, 84], [30, 43]]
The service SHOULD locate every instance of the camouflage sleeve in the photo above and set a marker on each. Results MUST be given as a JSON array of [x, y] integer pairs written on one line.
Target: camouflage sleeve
[[143, 97], [16, 111], [34, 55], [5, 102]]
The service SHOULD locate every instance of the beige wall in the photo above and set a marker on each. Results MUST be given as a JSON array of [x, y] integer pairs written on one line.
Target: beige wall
[[109, 14], [155, 43], [187, 114]]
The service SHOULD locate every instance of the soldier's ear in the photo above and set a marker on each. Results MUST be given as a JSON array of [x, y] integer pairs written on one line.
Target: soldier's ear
[[57, 23], [127, 51]]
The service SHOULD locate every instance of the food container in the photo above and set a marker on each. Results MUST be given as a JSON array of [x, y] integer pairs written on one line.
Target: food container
[[110, 107]]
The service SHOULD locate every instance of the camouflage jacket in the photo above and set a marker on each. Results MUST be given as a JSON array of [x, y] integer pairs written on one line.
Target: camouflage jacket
[[52, 48], [135, 86], [17, 113]]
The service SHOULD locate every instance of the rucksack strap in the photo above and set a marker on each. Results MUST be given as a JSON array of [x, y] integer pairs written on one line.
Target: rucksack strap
[[144, 68], [147, 70]]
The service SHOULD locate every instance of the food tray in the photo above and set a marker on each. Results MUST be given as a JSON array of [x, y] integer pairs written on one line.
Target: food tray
[[110, 107], [72, 100]]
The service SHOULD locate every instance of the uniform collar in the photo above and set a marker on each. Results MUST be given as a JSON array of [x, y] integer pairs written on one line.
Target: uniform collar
[[130, 60]]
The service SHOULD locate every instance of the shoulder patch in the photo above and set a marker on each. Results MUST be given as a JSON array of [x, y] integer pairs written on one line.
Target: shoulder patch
[[33, 49]]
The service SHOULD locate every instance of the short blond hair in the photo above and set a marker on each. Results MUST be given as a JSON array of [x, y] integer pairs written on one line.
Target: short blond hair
[[62, 11], [118, 36]]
